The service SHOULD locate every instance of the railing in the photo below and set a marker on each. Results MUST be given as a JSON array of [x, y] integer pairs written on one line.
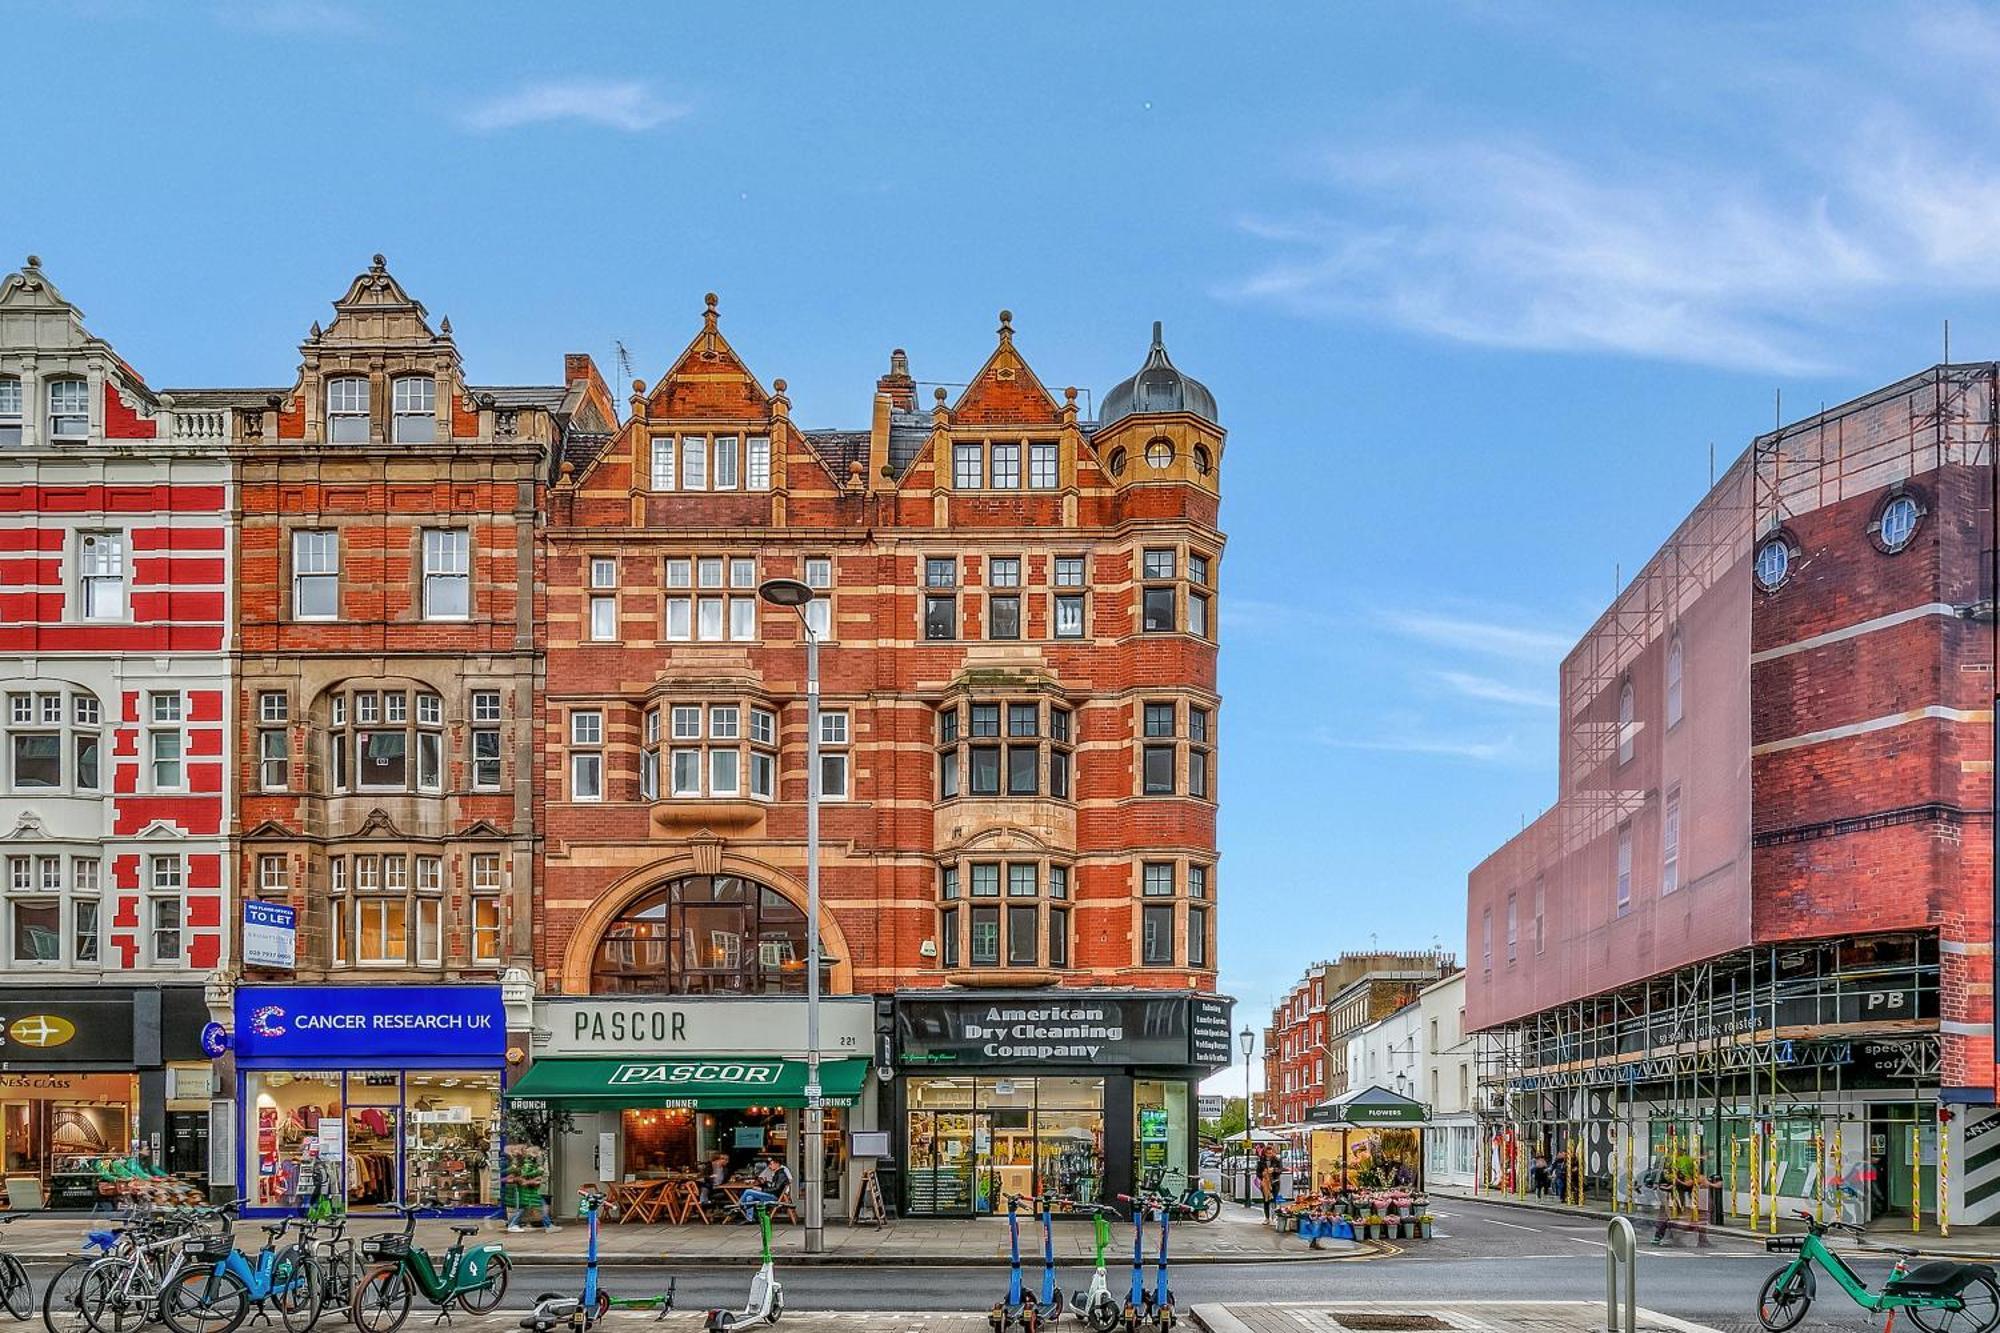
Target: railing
[[210, 424]]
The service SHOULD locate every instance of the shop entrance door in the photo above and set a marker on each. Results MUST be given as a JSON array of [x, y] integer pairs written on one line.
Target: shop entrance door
[[947, 1157]]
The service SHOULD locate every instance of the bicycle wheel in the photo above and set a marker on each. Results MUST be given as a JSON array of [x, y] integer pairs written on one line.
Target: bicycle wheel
[[381, 1300], [1981, 1312], [485, 1296], [205, 1300], [296, 1280], [105, 1303], [17, 1293], [61, 1312], [336, 1285], [1211, 1208], [1784, 1299]]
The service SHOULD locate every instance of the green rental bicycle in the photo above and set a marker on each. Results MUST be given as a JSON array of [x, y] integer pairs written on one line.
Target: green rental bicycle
[[1942, 1297], [472, 1277]]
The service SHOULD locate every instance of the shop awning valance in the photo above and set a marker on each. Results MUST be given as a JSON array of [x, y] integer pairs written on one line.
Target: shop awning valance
[[1369, 1106], [717, 1083]]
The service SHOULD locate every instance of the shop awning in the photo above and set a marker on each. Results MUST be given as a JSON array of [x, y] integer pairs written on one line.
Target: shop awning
[[718, 1083], [1369, 1106]]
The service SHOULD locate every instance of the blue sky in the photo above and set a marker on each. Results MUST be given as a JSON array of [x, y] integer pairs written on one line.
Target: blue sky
[[1476, 287]]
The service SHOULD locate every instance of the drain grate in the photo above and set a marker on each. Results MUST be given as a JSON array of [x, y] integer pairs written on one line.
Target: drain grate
[[1365, 1321]]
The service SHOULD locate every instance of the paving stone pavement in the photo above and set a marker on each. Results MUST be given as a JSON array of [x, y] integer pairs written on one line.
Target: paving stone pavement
[[1414, 1316]]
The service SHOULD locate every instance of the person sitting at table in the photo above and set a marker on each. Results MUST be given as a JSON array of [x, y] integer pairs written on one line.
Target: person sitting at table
[[774, 1185], [715, 1177]]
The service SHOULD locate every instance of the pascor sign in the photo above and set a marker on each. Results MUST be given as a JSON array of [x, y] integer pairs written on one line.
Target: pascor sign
[[734, 1073], [701, 1025], [369, 1024]]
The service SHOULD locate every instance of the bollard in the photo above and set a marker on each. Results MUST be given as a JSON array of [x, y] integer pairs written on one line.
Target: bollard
[[1621, 1250], [1819, 1172]]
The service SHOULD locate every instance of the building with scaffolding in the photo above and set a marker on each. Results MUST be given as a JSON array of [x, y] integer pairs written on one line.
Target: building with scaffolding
[[1756, 927]]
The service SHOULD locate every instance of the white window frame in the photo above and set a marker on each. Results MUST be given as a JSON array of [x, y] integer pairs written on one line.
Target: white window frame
[[728, 461], [968, 467], [447, 557], [67, 411], [694, 462], [347, 405], [757, 463], [664, 451], [1044, 466], [103, 591], [414, 410]]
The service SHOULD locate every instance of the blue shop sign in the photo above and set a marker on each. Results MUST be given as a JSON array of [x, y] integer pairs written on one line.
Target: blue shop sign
[[369, 1024]]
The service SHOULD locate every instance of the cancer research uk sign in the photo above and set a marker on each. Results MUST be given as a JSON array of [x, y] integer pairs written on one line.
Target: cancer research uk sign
[[270, 935], [362, 1025]]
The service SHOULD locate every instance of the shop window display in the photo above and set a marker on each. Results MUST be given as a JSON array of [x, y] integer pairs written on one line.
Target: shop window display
[[428, 1133], [56, 1128], [1160, 1132]]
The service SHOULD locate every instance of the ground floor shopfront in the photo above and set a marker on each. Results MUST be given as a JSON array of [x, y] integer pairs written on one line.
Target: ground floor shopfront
[[90, 1076], [1085, 1093], [652, 1093], [373, 1094]]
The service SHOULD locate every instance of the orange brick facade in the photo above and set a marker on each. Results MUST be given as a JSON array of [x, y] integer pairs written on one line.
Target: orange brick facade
[[984, 633]]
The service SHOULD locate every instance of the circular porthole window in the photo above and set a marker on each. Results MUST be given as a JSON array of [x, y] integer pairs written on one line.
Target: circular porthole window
[[1117, 462], [1774, 562], [1897, 523], [1160, 454]]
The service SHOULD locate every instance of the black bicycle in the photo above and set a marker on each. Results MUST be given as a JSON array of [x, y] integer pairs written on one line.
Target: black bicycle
[[17, 1293]]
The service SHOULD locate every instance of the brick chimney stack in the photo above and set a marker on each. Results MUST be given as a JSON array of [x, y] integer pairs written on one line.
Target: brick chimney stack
[[897, 385]]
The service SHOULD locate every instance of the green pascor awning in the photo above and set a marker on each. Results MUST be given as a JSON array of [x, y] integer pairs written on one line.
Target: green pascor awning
[[703, 1082]]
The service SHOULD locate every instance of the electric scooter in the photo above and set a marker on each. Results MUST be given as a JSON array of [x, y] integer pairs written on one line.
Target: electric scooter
[[1049, 1309], [1016, 1313], [1095, 1306], [1153, 1308], [583, 1313], [767, 1297]]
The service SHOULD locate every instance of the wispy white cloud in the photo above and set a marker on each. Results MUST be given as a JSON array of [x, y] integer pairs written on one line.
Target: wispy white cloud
[[1488, 690], [628, 105], [293, 17], [1425, 743], [1520, 643]]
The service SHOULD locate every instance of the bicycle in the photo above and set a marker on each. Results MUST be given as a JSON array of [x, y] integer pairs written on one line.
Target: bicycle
[[122, 1292], [17, 1293], [61, 1312], [472, 1277], [1942, 1297], [340, 1269], [1193, 1199], [215, 1296]]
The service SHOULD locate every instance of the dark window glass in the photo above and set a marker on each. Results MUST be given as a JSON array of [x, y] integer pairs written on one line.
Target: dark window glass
[[1157, 944], [704, 935], [985, 937], [948, 937], [1158, 879], [1159, 719], [1059, 775], [1003, 617], [1159, 564], [1159, 611], [1198, 773], [1059, 724], [1021, 720], [985, 770], [1197, 937], [940, 573], [1159, 770], [1198, 567], [1197, 724], [38, 761], [1058, 881], [986, 879], [986, 719], [1023, 937], [947, 775], [1023, 770], [941, 617], [1069, 616], [383, 759], [948, 883], [1021, 880], [948, 726], [1058, 937], [86, 762]]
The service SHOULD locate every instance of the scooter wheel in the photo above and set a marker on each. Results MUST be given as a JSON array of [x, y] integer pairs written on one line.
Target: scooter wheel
[[1102, 1317], [777, 1307]]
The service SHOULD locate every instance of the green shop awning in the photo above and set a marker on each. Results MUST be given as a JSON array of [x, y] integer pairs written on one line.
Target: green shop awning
[[1369, 1106], [718, 1083]]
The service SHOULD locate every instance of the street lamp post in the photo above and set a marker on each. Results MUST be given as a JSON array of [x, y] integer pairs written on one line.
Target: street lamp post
[[792, 593], [1248, 1040]]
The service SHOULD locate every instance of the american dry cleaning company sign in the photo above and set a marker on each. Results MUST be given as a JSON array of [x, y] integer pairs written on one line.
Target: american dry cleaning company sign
[[1056, 1032], [1059, 1029]]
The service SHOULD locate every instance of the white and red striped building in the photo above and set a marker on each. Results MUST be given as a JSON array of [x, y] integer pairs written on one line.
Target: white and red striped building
[[114, 663]]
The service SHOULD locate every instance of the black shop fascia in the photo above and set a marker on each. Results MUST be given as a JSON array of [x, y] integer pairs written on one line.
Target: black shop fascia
[[1085, 1092]]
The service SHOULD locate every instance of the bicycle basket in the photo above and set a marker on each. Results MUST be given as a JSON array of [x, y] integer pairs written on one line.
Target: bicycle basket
[[207, 1249], [379, 1248], [1785, 1244]]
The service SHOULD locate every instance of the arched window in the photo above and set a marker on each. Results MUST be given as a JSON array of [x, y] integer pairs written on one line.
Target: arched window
[[1774, 563], [347, 410], [414, 405], [1203, 464], [1625, 728], [704, 935], [1674, 681], [1117, 462], [54, 741]]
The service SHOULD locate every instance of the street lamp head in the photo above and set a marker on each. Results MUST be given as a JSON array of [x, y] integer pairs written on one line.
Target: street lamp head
[[784, 592], [1248, 1040]]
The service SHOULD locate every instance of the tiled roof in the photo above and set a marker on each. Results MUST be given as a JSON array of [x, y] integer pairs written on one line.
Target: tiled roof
[[838, 448], [548, 397]]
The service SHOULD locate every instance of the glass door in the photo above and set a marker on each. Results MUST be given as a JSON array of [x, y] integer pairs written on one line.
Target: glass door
[[942, 1163]]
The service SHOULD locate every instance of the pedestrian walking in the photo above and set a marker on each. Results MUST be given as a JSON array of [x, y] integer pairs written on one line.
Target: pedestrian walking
[[529, 1177], [1538, 1175], [1267, 1176]]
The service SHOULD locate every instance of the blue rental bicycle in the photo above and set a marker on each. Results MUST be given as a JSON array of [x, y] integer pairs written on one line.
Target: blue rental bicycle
[[217, 1296]]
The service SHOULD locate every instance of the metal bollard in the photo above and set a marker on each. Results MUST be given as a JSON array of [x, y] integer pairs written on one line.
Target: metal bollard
[[1621, 1250]]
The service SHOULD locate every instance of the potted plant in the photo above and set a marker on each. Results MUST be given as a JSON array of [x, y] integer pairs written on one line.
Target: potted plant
[[1373, 1227], [1424, 1225]]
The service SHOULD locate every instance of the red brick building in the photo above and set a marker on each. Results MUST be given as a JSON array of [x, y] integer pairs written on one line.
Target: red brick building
[[1305, 1048], [114, 690], [1017, 613], [1761, 906]]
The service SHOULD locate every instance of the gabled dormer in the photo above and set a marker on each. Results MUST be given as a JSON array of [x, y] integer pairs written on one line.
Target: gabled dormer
[[60, 385], [379, 374], [1006, 437]]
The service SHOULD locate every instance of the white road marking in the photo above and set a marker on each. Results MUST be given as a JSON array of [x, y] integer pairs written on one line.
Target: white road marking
[[1515, 1225]]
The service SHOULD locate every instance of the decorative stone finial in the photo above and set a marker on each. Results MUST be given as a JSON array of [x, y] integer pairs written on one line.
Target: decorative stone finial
[[378, 264], [444, 327], [938, 393], [638, 386], [1069, 394], [1159, 336], [709, 300], [315, 334], [34, 261], [778, 386]]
